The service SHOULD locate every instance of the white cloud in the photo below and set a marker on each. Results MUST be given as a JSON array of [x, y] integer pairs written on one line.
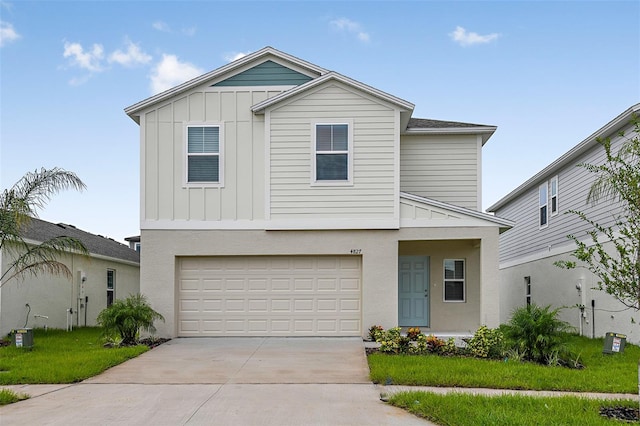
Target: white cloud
[[133, 56], [191, 31], [170, 72], [464, 38], [8, 34], [161, 26], [89, 60], [352, 27], [234, 56]]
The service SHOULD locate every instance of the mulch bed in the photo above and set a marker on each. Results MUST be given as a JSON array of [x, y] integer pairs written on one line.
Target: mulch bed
[[621, 413], [153, 342]]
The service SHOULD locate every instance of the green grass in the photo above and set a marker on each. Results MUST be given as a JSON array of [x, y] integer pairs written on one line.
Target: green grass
[[616, 373], [59, 356], [459, 409], [9, 397]]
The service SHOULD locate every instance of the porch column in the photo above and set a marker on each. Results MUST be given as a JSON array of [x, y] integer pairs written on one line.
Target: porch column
[[489, 279]]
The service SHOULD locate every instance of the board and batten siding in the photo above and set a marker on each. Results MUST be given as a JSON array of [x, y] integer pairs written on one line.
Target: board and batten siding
[[373, 193], [443, 168], [527, 239], [242, 196]]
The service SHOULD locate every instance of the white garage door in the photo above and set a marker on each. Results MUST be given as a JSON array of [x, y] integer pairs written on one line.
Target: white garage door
[[270, 295]]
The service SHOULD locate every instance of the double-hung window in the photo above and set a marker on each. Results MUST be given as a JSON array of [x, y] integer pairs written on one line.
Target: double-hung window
[[554, 196], [542, 203], [111, 286], [203, 154], [332, 153], [454, 280]]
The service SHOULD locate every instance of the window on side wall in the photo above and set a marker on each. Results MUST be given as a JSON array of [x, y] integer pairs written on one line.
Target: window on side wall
[[332, 152], [527, 289], [454, 280], [111, 286], [543, 215], [204, 157], [554, 196]]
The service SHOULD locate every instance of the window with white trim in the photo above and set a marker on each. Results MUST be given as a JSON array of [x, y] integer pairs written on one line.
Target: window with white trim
[[203, 154], [554, 195], [111, 286], [543, 214], [332, 152], [454, 280], [527, 289]]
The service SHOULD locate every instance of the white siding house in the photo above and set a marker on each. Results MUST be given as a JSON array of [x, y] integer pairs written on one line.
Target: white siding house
[[539, 238], [280, 198]]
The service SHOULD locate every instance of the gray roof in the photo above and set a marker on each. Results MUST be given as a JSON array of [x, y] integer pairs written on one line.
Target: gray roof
[[427, 123], [40, 230]]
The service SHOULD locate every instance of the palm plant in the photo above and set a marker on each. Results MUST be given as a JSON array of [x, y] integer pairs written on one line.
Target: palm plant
[[18, 205], [127, 317], [536, 332]]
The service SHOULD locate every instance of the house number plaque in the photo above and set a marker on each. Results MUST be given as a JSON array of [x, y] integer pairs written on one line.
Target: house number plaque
[[356, 251]]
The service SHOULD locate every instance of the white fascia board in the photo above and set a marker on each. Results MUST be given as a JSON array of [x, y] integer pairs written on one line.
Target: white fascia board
[[460, 210], [401, 103], [485, 131], [273, 225], [133, 110], [570, 156]]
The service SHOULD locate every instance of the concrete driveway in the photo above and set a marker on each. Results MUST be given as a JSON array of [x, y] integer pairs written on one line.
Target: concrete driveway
[[221, 381]]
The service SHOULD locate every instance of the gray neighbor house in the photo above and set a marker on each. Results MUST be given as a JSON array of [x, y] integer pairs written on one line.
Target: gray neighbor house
[[539, 238], [110, 271], [279, 198]]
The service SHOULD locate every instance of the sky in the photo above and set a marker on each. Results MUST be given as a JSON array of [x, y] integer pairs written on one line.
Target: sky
[[547, 74]]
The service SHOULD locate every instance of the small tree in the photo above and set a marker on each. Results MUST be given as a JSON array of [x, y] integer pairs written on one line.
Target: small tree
[[617, 179], [127, 317], [18, 205]]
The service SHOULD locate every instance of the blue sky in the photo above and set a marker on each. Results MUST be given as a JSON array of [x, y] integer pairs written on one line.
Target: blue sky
[[548, 74]]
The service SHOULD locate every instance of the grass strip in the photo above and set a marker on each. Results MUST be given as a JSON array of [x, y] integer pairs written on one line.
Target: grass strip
[[609, 373], [8, 396], [458, 409], [60, 356]]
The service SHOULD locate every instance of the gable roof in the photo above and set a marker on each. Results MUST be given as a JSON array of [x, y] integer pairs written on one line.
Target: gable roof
[[571, 156], [39, 230], [262, 54], [504, 224]]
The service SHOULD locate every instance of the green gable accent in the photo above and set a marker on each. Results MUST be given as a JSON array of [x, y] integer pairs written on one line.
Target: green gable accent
[[266, 74]]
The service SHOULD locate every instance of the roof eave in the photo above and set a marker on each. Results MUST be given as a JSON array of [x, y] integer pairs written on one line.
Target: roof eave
[[607, 130], [485, 131]]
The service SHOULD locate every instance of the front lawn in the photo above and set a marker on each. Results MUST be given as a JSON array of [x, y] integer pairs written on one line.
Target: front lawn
[[457, 409], [59, 356], [616, 373]]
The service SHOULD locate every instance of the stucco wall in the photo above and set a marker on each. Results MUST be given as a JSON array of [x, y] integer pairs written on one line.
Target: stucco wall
[[51, 296], [551, 285], [379, 250]]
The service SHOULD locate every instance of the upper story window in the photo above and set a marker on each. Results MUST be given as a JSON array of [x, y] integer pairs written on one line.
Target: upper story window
[[543, 200], [332, 151], [454, 280], [554, 196], [204, 154]]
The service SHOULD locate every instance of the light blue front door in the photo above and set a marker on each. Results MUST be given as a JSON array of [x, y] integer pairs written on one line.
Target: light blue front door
[[413, 291]]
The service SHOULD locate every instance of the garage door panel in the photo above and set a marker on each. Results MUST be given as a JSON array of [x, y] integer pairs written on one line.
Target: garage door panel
[[270, 295]]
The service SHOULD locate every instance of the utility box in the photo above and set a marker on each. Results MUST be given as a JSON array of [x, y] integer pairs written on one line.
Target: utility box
[[23, 338], [614, 343]]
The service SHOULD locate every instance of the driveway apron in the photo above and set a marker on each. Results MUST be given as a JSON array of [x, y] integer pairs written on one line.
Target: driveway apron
[[223, 381]]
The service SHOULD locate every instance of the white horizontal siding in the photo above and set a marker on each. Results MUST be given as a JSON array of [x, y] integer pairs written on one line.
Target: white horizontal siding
[[444, 168], [372, 194], [526, 238], [242, 196]]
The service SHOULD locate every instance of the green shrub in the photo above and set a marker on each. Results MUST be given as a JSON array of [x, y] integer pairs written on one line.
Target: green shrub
[[486, 343], [127, 317], [375, 333], [538, 334], [390, 341]]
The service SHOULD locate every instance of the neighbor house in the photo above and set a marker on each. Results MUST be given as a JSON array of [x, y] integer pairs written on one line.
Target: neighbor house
[[110, 271], [529, 250], [282, 199]]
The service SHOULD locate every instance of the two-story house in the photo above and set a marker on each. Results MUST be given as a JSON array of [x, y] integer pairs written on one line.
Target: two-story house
[[529, 250], [280, 198]]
